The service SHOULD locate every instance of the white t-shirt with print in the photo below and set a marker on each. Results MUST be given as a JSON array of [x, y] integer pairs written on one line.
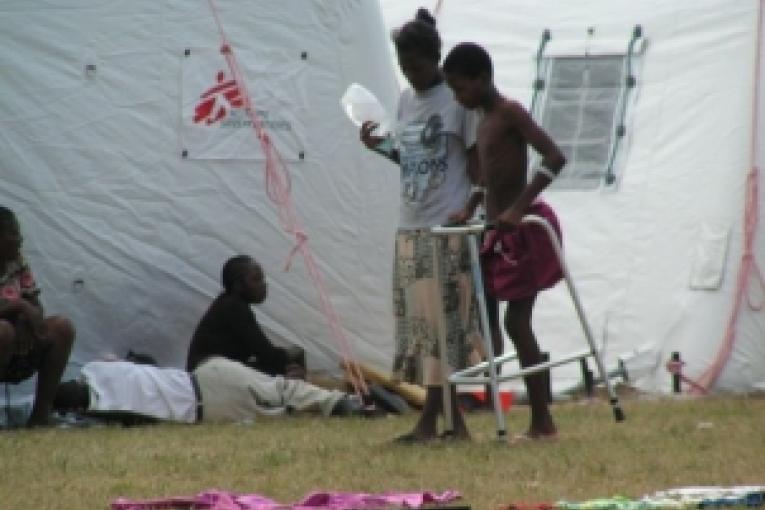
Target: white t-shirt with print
[[433, 132]]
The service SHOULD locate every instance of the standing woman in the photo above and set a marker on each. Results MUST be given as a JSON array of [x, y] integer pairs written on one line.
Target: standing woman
[[434, 147]]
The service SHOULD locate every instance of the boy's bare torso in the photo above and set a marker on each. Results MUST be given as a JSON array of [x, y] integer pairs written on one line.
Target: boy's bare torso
[[502, 151]]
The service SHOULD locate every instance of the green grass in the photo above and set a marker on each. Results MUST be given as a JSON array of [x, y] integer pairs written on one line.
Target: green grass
[[663, 444]]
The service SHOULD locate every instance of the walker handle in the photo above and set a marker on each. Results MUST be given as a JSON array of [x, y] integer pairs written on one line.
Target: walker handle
[[458, 228]]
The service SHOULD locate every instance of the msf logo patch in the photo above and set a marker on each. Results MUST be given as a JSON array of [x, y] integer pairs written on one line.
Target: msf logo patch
[[218, 101]]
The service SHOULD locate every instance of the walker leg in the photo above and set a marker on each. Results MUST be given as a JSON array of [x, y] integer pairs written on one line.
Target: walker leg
[[613, 399], [438, 242], [475, 264]]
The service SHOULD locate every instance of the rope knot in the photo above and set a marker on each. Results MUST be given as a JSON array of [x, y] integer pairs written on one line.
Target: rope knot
[[300, 240]]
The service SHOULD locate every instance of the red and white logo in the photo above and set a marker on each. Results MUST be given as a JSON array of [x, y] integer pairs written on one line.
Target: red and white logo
[[217, 101]]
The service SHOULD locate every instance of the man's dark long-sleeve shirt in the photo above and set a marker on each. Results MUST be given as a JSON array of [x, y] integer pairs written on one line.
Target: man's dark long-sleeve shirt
[[229, 329]]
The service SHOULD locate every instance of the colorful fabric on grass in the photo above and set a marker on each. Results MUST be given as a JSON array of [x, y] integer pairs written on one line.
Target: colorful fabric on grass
[[685, 498], [614, 503], [706, 497], [528, 506], [224, 500]]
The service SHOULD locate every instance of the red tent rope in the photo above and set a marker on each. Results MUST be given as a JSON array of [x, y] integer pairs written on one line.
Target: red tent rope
[[278, 189], [748, 267], [676, 368]]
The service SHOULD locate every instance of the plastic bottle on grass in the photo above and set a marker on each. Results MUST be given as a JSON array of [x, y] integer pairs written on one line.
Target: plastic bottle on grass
[[361, 106]]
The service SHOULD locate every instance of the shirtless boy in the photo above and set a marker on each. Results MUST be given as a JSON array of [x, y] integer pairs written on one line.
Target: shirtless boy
[[504, 134]]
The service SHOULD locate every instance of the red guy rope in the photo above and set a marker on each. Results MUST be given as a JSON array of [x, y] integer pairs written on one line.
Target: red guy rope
[[278, 186], [748, 267]]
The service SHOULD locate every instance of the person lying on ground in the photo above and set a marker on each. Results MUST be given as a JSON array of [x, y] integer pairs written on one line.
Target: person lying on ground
[[29, 341], [230, 329], [219, 390]]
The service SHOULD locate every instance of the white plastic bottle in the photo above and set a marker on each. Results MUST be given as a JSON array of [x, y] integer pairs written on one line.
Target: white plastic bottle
[[361, 106]]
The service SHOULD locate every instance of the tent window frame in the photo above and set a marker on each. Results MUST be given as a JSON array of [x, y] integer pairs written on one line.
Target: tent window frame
[[571, 92]]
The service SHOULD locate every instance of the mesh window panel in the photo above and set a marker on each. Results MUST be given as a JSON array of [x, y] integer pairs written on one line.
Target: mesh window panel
[[578, 110]]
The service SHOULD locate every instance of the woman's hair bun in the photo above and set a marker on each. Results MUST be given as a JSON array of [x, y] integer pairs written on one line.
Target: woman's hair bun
[[425, 16]]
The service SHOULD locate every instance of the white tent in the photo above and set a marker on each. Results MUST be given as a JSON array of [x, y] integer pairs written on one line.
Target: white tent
[[659, 255], [135, 172], [129, 206]]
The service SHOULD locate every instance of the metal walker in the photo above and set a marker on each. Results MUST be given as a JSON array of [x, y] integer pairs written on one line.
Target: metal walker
[[476, 374]]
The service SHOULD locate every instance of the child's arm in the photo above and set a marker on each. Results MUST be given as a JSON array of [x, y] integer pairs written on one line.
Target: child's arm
[[476, 197], [266, 353], [553, 161], [27, 307]]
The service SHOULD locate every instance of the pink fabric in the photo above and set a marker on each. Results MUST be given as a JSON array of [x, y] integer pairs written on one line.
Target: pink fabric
[[223, 500], [521, 262], [18, 282]]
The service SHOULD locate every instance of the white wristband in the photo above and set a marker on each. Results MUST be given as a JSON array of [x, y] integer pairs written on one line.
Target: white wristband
[[545, 171]]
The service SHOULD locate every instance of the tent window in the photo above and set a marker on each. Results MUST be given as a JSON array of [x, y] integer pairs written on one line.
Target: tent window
[[580, 108]]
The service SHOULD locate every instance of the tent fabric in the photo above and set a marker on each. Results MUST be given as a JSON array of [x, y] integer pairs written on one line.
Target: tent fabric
[[639, 251], [127, 233]]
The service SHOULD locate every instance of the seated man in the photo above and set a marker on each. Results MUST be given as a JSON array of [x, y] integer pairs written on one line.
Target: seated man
[[229, 328], [29, 342], [218, 390]]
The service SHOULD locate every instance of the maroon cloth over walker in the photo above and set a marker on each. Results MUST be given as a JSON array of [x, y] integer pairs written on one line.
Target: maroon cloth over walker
[[521, 262]]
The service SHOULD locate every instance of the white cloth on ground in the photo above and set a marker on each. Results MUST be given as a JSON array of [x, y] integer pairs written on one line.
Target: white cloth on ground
[[122, 386]]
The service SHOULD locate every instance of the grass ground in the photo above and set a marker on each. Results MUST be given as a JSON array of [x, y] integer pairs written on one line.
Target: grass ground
[[662, 444]]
